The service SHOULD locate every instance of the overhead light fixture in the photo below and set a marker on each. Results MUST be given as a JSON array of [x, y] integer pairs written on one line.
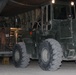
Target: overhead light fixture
[[53, 1], [72, 3]]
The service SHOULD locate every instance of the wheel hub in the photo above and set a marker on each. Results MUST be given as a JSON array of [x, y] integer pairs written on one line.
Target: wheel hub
[[45, 55], [17, 56]]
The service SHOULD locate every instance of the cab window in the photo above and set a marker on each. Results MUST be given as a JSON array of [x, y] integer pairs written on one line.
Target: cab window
[[61, 11]]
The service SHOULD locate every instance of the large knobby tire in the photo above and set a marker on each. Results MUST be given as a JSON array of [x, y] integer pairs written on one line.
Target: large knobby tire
[[20, 57], [50, 55]]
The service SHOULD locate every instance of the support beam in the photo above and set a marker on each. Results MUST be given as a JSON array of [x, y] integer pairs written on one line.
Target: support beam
[[2, 4]]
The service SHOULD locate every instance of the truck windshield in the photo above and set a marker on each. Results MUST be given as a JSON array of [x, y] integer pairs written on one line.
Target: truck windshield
[[61, 11]]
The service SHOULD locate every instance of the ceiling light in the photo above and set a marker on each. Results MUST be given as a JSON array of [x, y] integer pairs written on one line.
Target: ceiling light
[[53, 1], [72, 3]]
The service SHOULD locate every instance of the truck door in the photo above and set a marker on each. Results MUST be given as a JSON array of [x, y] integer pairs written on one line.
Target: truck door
[[66, 26]]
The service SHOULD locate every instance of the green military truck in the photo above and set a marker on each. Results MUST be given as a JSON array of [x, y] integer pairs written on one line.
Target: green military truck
[[49, 36], [47, 33]]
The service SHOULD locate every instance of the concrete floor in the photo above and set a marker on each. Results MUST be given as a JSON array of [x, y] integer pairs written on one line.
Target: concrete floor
[[67, 68]]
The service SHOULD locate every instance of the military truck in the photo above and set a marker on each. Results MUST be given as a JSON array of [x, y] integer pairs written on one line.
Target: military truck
[[49, 36]]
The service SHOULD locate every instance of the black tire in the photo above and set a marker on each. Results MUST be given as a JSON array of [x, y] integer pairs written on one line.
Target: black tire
[[54, 55], [22, 59]]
